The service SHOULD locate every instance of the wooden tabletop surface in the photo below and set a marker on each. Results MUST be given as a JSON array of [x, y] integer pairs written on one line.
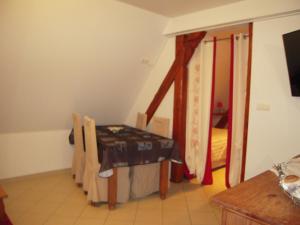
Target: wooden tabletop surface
[[261, 198], [2, 193]]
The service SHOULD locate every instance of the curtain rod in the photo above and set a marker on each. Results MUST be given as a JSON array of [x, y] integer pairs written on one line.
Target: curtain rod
[[227, 38]]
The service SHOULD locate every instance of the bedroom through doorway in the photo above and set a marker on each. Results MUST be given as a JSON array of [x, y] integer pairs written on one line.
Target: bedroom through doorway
[[221, 101], [217, 101]]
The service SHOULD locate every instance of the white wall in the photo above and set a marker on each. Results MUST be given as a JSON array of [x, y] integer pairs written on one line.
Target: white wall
[[150, 87], [34, 152], [273, 135], [239, 12], [223, 60], [61, 56], [57, 57]]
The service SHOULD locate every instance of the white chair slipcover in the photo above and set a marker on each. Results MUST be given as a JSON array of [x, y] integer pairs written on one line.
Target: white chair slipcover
[[96, 186], [78, 163], [145, 178]]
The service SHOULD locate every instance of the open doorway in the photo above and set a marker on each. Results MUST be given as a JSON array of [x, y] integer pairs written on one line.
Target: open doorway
[[217, 90], [221, 98]]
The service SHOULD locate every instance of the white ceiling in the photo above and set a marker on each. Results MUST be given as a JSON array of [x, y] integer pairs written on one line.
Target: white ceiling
[[173, 8]]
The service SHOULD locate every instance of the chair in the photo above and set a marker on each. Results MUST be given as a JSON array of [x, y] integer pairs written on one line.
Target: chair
[[97, 190], [78, 163], [160, 126], [141, 121], [146, 178]]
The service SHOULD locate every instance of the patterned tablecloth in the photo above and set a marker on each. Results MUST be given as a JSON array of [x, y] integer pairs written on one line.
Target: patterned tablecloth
[[130, 146]]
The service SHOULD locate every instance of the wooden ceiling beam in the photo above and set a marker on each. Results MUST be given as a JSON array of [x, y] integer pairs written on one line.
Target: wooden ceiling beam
[[185, 48]]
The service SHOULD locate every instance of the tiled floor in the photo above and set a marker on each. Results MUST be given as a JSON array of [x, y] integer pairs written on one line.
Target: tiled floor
[[54, 199]]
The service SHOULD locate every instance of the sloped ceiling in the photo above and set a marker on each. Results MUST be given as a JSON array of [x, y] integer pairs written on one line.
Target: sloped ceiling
[[61, 56], [173, 8]]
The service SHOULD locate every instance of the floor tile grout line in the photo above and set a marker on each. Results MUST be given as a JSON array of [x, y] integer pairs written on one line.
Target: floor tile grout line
[[81, 212], [188, 208], [54, 211], [106, 218], [51, 214], [73, 194], [136, 210], [77, 218]]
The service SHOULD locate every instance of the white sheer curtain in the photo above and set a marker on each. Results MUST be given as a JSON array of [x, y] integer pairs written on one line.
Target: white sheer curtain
[[198, 108], [240, 64]]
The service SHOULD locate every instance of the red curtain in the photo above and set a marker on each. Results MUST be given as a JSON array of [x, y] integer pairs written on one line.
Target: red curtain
[[208, 178], [230, 104]]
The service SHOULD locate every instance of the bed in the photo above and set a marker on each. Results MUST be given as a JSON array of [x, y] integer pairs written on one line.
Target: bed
[[219, 146]]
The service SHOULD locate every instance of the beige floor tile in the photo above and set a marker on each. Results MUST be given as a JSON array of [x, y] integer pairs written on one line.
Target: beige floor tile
[[124, 212], [124, 215], [197, 196], [91, 212], [118, 222], [78, 191], [56, 197], [22, 184], [147, 222], [19, 207], [154, 216], [32, 196], [175, 188], [204, 218], [44, 208], [174, 205], [128, 207], [89, 221], [200, 206], [57, 200], [179, 195], [211, 191], [70, 210], [61, 220], [150, 204], [176, 218], [65, 187], [76, 199], [43, 187], [14, 216], [13, 191], [32, 219]]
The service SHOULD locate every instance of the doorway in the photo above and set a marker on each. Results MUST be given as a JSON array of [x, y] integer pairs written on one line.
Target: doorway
[[217, 92], [219, 133]]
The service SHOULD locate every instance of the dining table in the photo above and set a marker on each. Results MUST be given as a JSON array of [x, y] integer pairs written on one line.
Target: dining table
[[126, 146]]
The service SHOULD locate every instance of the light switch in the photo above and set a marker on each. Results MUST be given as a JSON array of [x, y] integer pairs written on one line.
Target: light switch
[[263, 107]]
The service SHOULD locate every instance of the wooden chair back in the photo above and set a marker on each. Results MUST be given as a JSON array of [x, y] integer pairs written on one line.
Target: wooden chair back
[[78, 164], [160, 126], [78, 136], [91, 143], [141, 121]]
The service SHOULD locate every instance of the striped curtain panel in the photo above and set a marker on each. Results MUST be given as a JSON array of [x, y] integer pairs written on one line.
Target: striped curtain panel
[[200, 72], [237, 102]]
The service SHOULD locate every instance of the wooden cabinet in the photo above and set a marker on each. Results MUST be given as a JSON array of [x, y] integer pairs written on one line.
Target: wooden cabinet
[[233, 218], [258, 201]]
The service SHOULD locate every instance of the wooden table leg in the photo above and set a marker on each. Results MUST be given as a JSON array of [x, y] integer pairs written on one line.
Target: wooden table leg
[[163, 181], [112, 189]]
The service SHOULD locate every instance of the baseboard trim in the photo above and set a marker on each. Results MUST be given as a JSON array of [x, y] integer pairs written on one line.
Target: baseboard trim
[[36, 175]]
